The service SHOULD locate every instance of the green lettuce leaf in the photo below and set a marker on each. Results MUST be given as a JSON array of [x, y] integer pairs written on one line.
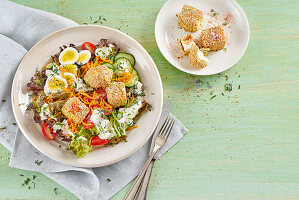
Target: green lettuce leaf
[[79, 145]]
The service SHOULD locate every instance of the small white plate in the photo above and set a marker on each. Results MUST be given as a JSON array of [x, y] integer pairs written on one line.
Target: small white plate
[[39, 55], [237, 31]]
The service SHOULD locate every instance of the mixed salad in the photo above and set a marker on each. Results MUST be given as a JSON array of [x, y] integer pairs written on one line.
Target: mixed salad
[[87, 96]]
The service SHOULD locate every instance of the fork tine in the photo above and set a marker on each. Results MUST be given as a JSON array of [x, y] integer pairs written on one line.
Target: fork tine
[[166, 128], [163, 126], [169, 128]]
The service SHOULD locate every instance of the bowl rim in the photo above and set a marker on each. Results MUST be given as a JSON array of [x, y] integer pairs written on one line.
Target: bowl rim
[[170, 60], [127, 154]]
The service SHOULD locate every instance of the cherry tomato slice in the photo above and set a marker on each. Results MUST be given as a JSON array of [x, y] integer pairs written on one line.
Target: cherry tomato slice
[[87, 123], [107, 111], [96, 140], [48, 133], [89, 46]]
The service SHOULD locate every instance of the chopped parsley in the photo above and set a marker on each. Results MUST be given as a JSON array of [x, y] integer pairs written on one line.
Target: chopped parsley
[[3, 100], [239, 87], [212, 97], [228, 87], [55, 191], [108, 179], [14, 124], [38, 163]]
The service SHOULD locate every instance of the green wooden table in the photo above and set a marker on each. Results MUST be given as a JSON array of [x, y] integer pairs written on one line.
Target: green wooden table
[[242, 144]]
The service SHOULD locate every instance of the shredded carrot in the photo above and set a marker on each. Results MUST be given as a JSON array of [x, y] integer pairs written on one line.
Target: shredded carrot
[[98, 60], [131, 128], [57, 114], [72, 126]]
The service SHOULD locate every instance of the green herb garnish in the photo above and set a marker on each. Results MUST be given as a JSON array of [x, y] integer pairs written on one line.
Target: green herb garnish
[[38, 163], [55, 191], [228, 87]]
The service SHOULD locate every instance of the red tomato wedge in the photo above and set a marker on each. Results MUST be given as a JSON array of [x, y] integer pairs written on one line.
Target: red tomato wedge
[[89, 46], [96, 140], [107, 111], [87, 123], [48, 133], [102, 93]]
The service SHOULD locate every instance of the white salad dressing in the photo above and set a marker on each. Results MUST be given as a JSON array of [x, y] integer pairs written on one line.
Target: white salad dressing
[[138, 88], [102, 124], [126, 115], [80, 85], [104, 52], [45, 112], [123, 66], [64, 127]]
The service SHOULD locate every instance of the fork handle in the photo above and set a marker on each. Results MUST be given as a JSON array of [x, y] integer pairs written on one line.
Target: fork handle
[[143, 189], [134, 189]]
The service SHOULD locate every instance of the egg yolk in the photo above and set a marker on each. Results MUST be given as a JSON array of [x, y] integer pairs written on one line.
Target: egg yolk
[[70, 69], [55, 84], [69, 79], [82, 57], [68, 56]]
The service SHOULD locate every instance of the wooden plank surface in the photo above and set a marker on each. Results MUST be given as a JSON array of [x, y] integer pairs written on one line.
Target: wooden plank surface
[[243, 145]]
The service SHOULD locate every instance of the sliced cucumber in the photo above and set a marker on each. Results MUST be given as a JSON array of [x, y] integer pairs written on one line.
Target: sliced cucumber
[[133, 79], [122, 65], [127, 56], [109, 65]]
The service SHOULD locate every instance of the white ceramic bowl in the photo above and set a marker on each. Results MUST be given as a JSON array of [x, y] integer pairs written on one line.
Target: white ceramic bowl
[[167, 31], [40, 54]]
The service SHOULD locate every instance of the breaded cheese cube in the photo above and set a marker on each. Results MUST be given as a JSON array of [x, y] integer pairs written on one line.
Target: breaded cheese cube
[[116, 94], [205, 51], [75, 110], [98, 77], [185, 43], [213, 38], [190, 18], [197, 58]]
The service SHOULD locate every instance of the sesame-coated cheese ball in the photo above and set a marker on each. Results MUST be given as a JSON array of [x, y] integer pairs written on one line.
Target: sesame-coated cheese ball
[[197, 58], [98, 77], [116, 94], [213, 38], [75, 110], [190, 18]]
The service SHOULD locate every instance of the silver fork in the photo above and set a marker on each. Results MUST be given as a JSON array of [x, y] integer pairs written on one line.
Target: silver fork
[[159, 142]]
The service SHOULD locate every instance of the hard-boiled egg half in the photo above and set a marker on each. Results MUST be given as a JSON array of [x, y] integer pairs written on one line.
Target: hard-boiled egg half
[[54, 84], [70, 78], [70, 68], [84, 57], [68, 56]]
